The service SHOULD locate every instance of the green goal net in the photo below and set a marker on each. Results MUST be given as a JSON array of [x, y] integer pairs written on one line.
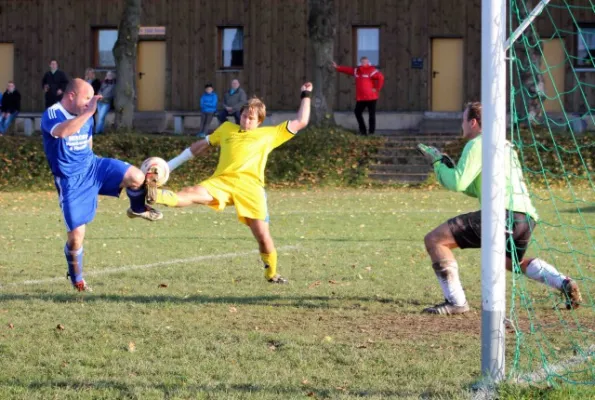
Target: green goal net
[[552, 119]]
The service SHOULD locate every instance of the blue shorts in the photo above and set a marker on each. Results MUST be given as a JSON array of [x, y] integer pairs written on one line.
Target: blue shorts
[[78, 194]]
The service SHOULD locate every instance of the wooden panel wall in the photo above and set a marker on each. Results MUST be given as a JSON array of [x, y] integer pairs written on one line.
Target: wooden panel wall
[[276, 52]]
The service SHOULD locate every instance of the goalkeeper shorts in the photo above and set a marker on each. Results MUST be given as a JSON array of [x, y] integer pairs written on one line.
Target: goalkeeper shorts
[[466, 230]]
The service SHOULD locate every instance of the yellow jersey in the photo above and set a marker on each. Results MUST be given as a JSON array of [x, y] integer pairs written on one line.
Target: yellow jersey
[[244, 154]]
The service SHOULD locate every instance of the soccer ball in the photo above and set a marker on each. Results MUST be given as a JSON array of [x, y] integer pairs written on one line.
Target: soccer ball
[[157, 166]]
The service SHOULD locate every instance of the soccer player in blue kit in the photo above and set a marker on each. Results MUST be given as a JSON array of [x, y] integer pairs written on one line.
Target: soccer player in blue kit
[[80, 176]]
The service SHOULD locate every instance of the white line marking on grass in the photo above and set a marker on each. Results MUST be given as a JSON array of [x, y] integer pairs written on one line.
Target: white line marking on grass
[[555, 369], [147, 266], [276, 214]]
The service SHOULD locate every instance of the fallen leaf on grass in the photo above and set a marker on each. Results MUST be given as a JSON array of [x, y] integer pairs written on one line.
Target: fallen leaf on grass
[[60, 327], [305, 382], [233, 310], [314, 284], [131, 347], [163, 285]]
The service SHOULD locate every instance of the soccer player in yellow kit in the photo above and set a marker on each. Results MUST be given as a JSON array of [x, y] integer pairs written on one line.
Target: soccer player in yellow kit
[[239, 177]]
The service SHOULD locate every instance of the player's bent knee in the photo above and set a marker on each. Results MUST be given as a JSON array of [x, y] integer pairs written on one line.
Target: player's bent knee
[[76, 237], [430, 240], [134, 177]]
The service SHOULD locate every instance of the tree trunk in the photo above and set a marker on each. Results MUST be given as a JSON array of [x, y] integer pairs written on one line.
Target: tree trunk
[[531, 77], [125, 56], [322, 32]]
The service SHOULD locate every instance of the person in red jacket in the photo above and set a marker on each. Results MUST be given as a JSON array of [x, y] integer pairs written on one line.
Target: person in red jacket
[[368, 82]]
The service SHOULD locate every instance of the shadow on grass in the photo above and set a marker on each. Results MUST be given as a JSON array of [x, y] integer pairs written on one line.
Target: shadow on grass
[[590, 209], [313, 302], [127, 390]]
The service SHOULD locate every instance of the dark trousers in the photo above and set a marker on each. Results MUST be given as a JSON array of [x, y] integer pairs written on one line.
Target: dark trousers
[[205, 122], [360, 106], [223, 114]]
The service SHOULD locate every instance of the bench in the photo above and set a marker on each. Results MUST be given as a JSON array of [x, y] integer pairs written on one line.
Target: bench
[[29, 119], [179, 117]]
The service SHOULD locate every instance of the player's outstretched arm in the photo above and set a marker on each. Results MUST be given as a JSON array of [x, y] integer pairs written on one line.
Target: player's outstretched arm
[[195, 149], [303, 115], [72, 126]]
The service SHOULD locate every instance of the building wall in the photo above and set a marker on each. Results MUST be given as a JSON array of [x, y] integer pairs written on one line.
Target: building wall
[[276, 53]]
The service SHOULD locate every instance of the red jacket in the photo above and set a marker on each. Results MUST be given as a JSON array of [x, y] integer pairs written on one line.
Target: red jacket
[[368, 81]]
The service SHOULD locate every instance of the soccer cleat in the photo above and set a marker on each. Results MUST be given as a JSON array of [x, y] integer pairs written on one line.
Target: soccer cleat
[[82, 286], [447, 308], [151, 179], [571, 293], [150, 214], [278, 279]]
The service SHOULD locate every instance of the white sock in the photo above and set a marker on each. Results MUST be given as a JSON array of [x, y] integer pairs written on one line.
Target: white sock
[[179, 160], [541, 271], [447, 272]]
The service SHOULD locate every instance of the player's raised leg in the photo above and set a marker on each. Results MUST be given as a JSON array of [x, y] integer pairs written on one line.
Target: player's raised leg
[[543, 272], [439, 243], [134, 182], [268, 253], [185, 197]]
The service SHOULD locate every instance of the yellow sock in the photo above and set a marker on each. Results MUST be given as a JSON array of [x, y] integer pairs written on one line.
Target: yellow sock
[[270, 264], [167, 197]]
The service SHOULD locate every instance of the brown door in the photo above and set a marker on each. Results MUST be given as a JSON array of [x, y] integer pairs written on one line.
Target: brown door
[[150, 76], [7, 61], [447, 74]]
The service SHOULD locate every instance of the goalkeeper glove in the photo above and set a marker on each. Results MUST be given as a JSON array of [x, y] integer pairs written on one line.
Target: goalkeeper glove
[[434, 155]]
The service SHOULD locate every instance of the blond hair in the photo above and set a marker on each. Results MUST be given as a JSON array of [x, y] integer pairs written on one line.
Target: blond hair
[[255, 104]]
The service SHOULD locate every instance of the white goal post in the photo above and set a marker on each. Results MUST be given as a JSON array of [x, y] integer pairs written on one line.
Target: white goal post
[[494, 101]]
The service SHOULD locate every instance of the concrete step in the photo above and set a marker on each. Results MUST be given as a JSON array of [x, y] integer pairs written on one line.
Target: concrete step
[[440, 125], [398, 177], [403, 169], [399, 160], [413, 145], [415, 134]]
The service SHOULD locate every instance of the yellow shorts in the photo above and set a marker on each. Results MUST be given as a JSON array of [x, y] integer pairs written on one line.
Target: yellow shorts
[[248, 197]]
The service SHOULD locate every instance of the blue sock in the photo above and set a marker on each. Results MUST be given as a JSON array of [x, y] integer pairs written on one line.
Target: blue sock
[[137, 199], [75, 263]]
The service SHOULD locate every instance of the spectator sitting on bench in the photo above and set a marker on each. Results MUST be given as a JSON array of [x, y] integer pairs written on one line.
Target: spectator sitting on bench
[[92, 80], [233, 100], [11, 106], [107, 91], [208, 106]]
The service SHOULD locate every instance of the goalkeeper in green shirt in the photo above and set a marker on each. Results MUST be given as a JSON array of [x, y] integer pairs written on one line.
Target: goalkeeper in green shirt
[[464, 231]]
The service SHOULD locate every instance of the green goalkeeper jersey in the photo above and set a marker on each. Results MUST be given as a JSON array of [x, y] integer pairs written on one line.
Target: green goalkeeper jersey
[[466, 177]]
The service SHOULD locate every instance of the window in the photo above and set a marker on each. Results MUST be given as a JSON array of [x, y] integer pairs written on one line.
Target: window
[[368, 44], [231, 47], [585, 46], [105, 39]]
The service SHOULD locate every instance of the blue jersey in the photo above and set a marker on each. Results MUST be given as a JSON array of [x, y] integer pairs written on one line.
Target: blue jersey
[[71, 155]]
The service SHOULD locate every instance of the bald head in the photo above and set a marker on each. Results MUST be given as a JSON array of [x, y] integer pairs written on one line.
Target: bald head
[[77, 85], [77, 96]]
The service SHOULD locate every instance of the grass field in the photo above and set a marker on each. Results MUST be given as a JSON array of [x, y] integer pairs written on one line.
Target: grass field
[[180, 308]]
